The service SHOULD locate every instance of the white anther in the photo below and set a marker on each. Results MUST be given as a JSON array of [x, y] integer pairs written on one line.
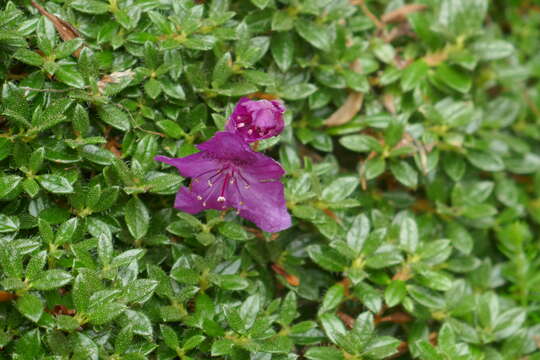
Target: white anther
[[221, 199], [210, 183], [250, 131], [241, 125], [199, 197], [204, 203], [246, 187]]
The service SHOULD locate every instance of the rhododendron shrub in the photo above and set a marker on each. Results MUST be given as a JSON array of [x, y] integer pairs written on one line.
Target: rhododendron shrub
[[269, 179]]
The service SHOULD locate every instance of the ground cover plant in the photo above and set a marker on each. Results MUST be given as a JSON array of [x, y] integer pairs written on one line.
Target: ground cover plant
[[412, 166]]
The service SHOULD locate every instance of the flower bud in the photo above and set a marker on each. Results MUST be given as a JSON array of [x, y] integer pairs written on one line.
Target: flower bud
[[257, 119]]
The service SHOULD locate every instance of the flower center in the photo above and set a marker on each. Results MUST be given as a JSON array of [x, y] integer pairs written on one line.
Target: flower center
[[260, 127], [221, 184]]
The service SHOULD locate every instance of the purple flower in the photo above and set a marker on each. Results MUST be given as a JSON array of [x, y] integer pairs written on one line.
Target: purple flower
[[257, 119], [227, 173]]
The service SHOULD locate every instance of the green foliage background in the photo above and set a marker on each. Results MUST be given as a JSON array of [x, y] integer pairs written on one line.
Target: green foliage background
[[415, 223]]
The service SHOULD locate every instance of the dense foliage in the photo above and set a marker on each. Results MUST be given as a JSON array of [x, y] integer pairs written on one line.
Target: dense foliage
[[413, 177]]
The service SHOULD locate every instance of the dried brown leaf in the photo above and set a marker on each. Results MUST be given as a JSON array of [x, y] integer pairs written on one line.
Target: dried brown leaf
[[401, 13], [436, 58], [65, 29], [346, 112], [113, 78]]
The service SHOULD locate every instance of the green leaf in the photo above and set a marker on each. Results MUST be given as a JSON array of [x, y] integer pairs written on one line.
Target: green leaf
[[332, 298], [28, 57], [233, 231], [298, 91], [31, 187], [434, 279], [425, 297], [30, 306], [67, 323], [140, 290], [51, 279], [70, 75], [382, 347], [5, 148], [261, 4], [361, 143], [105, 249], [115, 117], [395, 293], [408, 235], [152, 88], [35, 265], [487, 161], [327, 258], [489, 50], [288, 311], [333, 326], [104, 313], [282, 21], [55, 183], [317, 35], [66, 48], [66, 231], [427, 351], [29, 345], [249, 310], [200, 42], [222, 347], [127, 257], [404, 173], [358, 233], [461, 17], [324, 353], [169, 336], [90, 6], [84, 347], [340, 189], [173, 89], [374, 167], [413, 75], [170, 128], [252, 51], [231, 282], [454, 166], [8, 223], [282, 48], [137, 218], [8, 183], [222, 70], [97, 155], [455, 79]]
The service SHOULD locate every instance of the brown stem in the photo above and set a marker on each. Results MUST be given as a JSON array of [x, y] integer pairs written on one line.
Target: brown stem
[[378, 23], [65, 29], [291, 279], [7, 296]]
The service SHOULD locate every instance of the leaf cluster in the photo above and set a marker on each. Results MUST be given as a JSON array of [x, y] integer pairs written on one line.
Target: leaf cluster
[[414, 218]]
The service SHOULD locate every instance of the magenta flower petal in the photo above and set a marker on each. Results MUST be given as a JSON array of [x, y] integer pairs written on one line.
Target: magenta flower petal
[[223, 146], [227, 173], [186, 201], [191, 165], [266, 206], [257, 119]]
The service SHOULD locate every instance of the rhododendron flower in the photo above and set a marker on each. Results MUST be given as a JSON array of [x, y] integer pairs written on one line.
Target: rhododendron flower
[[257, 119], [227, 173]]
